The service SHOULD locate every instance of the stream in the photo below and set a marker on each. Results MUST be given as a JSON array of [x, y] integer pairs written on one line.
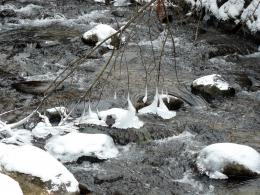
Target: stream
[[38, 39]]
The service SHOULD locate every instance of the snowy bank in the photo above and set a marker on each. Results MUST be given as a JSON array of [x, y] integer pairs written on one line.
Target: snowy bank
[[70, 147], [9, 186], [221, 160], [35, 162], [238, 11]]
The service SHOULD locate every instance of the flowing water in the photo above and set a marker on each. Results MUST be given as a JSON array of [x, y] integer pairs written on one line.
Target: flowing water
[[39, 40]]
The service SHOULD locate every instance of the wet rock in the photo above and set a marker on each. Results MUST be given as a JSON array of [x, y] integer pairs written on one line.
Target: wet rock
[[244, 81], [99, 179], [34, 87], [7, 13], [238, 170], [211, 87], [118, 13]]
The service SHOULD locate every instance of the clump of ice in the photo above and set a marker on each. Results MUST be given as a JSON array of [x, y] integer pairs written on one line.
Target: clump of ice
[[124, 119], [36, 162], [234, 10], [158, 107], [45, 128], [102, 31], [212, 80], [8, 186], [213, 159], [70, 147], [19, 137]]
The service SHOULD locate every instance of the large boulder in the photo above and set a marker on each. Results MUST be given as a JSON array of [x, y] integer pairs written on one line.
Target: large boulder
[[70, 147], [224, 160], [212, 86], [36, 170]]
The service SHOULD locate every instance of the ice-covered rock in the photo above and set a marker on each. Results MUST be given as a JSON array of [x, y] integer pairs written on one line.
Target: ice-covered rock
[[55, 114], [35, 162], [223, 160], [114, 117], [19, 137], [99, 33], [211, 86], [9, 186], [70, 147], [158, 107]]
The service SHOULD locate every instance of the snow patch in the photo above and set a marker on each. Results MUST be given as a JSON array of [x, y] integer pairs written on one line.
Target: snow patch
[[212, 80], [214, 158], [34, 161], [70, 147], [9, 186]]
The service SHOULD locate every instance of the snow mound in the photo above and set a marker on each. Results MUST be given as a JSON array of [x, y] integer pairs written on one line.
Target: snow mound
[[124, 119], [19, 137], [100, 32], [70, 147], [215, 158], [234, 10], [212, 80], [9, 186], [160, 110], [34, 161]]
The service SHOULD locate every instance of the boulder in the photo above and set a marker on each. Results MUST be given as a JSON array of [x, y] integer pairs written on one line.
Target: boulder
[[99, 33], [36, 170], [224, 160], [212, 86]]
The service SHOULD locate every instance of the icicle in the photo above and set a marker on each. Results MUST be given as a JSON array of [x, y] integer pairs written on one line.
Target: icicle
[[115, 96], [145, 96], [167, 96], [131, 108]]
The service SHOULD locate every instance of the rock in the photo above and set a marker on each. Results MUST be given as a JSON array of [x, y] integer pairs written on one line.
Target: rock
[[212, 86], [244, 81], [34, 87], [223, 160], [70, 147], [36, 170], [7, 13], [118, 13], [99, 33], [55, 114]]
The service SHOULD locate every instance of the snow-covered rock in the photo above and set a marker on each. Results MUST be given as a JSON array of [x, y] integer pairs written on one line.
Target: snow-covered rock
[[99, 33], [158, 107], [35, 162], [211, 86], [121, 118], [70, 147], [56, 113], [236, 10], [221, 160], [19, 137], [9, 186]]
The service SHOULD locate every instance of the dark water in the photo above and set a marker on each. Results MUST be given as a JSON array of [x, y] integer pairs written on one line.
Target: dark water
[[42, 38]]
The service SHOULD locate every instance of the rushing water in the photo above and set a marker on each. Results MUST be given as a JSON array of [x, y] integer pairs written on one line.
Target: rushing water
[[43, 36]]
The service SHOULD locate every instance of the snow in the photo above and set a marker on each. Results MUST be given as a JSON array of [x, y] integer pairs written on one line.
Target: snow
[[70, 147], [34, 161], [19, 137], [62, 111], [124, 119], [102, 31], [234, 10], [160, 110], [213, 159], [42, 129], [212, 80], [9, 186]]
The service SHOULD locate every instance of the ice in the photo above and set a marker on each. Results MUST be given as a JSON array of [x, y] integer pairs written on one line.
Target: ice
[[19, 137], [212, 80], [160, 110], [9, 186], [214, 158], [34, 161], [70, 147]]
